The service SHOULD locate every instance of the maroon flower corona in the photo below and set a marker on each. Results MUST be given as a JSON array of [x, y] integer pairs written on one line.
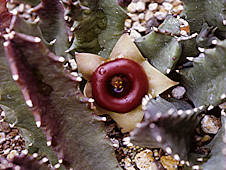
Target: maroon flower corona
[[119, 85]]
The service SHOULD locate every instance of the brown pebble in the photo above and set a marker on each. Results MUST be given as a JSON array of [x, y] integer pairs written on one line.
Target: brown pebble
[[4, 127], [210, 124], [159, 1], [169, 163]]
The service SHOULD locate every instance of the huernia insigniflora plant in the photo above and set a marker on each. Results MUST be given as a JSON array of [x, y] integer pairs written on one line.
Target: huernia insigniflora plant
[[152, 82]]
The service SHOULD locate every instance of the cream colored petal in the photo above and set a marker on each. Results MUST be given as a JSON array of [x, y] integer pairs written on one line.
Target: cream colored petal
[[126, 121], [158, 82], [88, 63], [88, 90], [126, 48]]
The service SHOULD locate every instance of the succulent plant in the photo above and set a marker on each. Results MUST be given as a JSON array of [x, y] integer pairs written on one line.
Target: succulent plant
[[59, 105]]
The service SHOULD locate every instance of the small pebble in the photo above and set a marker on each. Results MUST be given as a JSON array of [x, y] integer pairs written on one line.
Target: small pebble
[[160, 15], [131, 7], [148, 15], [169, 163], [167, 6], [176, 2], [178, 92], [145, 160], [2, 137], [134, 17], [128, 23], [210, 124], [153, 6], [156, 153], [4, 127], [128, 164], [141, 16], [12, 154], [205, 138], [140, 6], [178, 9]]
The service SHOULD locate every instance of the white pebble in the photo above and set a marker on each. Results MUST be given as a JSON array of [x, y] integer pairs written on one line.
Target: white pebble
[[178, 92], [128, 23], [153, 6], [178, 9], [132, 7], [134, 17], [160, 15], [140, 6], [167, 6], [148, 15], [141, 16]]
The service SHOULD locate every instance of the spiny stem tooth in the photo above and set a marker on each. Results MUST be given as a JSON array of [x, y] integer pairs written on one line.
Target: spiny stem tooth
[[66, 17], [49, 143], [200, 159], [187, 163], [52, 42], [210, 107], [196, 167], [90, 100], [158, 115], [188, 112], [29, 103], [159, 138], [180, 112], [60, 161], [152, 125], [70, 38], [15, 77], [170, 111], [168, 150], [6, 43], [57, 166], [201, 107], [214, 42], [224, 22], [195, 109], [61, 59], [190, 58], [182, 162], [168, 71], [223, 112], [37, 39], [176, 156], [201, 49], [79, 79], [34, 155], [223, 96], [38, 124], [44, 160]]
